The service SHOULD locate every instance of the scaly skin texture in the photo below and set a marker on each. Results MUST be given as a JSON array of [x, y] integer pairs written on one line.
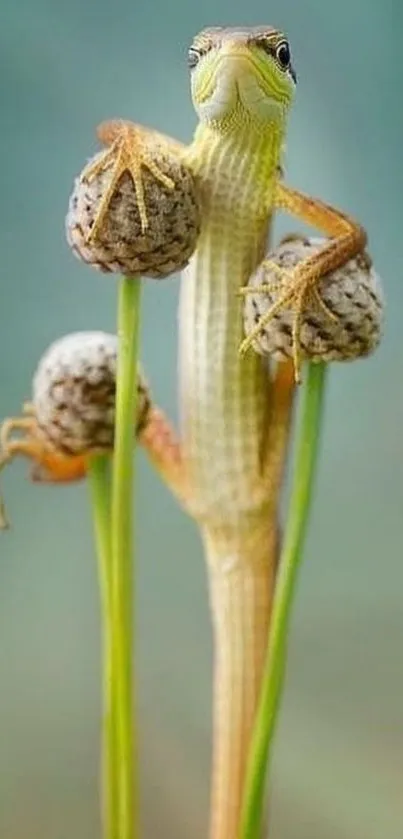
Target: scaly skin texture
[[235, 415]]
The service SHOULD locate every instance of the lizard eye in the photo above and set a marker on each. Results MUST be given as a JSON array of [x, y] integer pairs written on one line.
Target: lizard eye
[[283, 55], [193, 57]]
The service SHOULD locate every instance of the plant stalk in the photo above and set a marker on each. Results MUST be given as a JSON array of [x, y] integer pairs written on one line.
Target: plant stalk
[[99, 481], [122, 520], [308, 437]]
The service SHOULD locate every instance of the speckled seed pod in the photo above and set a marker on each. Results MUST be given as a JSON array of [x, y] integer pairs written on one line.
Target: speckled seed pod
[[352, 293], [74, 393], [122, 244]]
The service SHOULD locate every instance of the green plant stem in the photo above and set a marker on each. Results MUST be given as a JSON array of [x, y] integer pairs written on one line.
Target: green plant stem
[[311, 411], [99, 482], [122, 546]]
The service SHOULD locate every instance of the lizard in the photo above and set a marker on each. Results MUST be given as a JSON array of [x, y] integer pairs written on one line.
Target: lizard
[[234, 413]]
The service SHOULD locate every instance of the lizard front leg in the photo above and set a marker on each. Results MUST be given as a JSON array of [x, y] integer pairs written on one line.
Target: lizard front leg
[[347, 239]]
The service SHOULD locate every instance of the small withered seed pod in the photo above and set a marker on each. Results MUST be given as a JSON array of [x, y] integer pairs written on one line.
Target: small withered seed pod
[[74, 393], [353, 294], [135, 208]]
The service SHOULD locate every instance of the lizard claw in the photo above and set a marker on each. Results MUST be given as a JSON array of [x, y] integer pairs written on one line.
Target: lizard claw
[[269, 287]]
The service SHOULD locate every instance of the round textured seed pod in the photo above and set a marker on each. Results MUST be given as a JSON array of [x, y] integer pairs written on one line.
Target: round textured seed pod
[[74, 393], [352, 293], [122, 242]]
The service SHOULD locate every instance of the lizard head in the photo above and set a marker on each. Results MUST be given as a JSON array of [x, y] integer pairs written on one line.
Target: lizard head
[[241, 76]]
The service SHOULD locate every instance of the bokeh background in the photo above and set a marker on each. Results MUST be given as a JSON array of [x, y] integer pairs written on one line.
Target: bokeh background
[[339, 752]]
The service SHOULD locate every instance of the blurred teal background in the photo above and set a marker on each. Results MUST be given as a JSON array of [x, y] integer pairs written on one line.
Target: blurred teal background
[[339, 752]]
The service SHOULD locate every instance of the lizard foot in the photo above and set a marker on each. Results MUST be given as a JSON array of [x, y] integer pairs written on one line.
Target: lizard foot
[[136, 208], [298, 289], [127, 152]]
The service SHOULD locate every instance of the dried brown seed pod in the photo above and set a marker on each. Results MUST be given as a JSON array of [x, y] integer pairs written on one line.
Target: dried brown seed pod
[[74, 393], [135, 208], [352, 294]]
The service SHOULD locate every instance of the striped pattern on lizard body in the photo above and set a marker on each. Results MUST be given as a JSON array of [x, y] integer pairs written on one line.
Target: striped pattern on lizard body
[[224, 398]]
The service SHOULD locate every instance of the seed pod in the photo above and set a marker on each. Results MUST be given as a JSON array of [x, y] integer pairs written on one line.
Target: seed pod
[[74, 393], [135, 208], [352, 294]]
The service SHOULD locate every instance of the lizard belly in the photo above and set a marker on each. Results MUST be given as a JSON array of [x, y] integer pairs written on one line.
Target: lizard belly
[[224, 398]]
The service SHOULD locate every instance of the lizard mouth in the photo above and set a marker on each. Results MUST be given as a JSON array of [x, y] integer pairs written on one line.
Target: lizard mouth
[[235, 83]]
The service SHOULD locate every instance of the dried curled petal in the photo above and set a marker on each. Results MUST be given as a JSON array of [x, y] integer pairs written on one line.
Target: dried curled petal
[[350, 328], [74, 393], [135, 208]]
